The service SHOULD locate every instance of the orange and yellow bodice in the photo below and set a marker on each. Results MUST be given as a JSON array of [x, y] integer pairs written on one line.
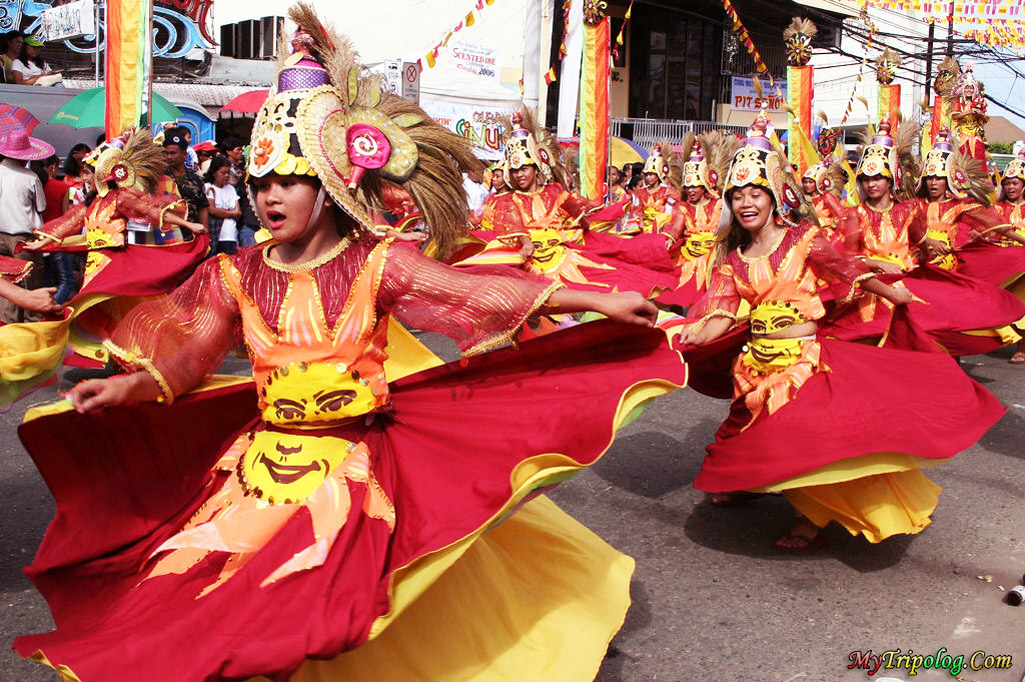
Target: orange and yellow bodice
[[653, 209], [309, 374], [886, 235], [700, 222], [1014, 214]]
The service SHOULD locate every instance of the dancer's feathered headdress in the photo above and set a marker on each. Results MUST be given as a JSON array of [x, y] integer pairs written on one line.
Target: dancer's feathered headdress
[[326, 116], [132, 160]]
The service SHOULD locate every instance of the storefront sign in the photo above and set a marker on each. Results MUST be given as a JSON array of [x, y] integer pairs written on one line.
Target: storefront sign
[[744, 97]]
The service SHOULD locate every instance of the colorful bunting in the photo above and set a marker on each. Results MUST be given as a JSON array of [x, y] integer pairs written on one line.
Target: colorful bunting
[[745, 40], [431, 57]]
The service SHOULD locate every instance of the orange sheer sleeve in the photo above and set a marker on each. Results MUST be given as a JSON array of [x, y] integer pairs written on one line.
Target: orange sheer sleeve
[[148, 208], [841, 271], [66, 225], [182, 337], [720, 300], [480, 307]]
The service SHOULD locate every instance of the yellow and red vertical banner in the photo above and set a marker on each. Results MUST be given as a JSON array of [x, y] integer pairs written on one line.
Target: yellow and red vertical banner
[[889, 105], [801, 90], [127, 71], [594, 108]]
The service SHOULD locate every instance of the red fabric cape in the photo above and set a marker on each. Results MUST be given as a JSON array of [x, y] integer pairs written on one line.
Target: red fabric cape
[[126, 479]]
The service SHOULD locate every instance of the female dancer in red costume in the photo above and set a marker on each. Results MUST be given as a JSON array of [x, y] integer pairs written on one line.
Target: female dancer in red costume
[[124, 263], [966, 316], [842, 429], [823, 185], [690, 233], [330, 521], [1011, 206], [653, 201], [547, 229]]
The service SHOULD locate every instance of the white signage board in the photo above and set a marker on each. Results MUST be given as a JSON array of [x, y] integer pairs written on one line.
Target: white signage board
[[70, 20], [400, 78], [744, 97], [480, 60]]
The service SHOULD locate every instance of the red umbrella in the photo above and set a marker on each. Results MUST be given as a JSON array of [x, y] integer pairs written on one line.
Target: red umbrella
[[248, 102], [14, 118]]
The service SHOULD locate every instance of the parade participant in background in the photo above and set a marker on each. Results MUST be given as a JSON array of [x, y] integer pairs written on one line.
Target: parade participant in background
[[124, 264], [551, 231], [75, 172], [653, 201], [188, 184], [953, 194], [327, 521], [58, 267], [205, 152], [690, 234], [1003, 266], [224, 206], [867, 419], [29, 68], [617, 191], [966, 316], [22, 202], [968, 113], [234, 149], [823, 185], [12, 43]]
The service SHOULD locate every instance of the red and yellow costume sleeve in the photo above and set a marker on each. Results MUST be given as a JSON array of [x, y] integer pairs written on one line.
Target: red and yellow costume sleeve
[[66, 225], [149, 208], [14, 270]]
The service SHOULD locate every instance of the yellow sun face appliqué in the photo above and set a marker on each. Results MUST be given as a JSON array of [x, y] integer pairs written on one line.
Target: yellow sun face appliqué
[[308, 393], [548, 248], [283, 468]]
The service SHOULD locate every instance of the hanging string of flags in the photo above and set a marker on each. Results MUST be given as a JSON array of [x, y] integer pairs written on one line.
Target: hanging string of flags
[[861, 69], [998, 23], [469, 20], [552, 74], [622, 29], [745, 39]]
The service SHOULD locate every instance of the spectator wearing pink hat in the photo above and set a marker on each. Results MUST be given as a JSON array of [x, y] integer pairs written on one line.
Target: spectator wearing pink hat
[[21, 202]]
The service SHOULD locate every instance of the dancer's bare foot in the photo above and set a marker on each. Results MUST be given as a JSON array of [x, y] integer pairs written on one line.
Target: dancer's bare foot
[[802, 538]]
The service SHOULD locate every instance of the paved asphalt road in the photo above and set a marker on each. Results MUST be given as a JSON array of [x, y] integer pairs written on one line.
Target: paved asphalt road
[[711, 599]]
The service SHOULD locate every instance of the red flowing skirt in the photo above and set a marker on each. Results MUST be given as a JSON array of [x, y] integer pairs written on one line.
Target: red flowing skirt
[[125, 480], [1001, 266], [954, 304], [872, 400]]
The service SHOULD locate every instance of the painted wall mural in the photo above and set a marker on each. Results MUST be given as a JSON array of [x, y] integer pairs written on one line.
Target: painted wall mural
[[179, 26]]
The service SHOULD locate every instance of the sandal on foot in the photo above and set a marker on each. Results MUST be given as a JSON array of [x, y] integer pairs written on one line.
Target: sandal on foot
[[1018, 358], [805, 544], [733, 498]]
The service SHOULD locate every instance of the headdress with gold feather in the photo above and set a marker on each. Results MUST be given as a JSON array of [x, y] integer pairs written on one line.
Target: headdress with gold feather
[[695, 167], [327, 117], [965, 175], [527, 142], [719, 148], [656, 163], [946, 77], [132, 160], [758, 162]]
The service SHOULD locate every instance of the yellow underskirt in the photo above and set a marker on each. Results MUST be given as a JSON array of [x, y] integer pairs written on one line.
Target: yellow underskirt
[[877, 495], [537, 598], [877, 507]]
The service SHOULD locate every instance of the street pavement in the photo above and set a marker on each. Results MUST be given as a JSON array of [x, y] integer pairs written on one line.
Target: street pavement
[[711, 599]]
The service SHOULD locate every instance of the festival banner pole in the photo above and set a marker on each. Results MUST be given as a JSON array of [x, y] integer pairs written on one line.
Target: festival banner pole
[[594, 100], [125, 63], [889, 92], [800, 86]]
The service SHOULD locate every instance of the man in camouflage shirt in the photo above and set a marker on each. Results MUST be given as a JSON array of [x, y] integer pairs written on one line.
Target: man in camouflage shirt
[[190, 185]]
